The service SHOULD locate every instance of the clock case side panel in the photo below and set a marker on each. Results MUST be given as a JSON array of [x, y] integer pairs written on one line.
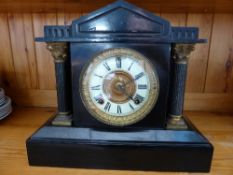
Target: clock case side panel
[[159, 56]]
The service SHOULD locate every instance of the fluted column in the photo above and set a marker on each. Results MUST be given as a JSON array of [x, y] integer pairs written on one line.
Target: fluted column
[[180, 56], [59, 51]]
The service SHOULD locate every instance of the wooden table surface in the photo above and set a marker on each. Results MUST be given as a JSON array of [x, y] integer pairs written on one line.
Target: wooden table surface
[[15, 129]]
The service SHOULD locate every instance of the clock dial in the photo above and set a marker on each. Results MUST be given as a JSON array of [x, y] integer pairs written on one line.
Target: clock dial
[[119, 87]]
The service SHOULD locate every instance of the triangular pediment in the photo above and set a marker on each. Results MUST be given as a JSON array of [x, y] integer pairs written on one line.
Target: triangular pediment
[[121, 20], [121, 17]]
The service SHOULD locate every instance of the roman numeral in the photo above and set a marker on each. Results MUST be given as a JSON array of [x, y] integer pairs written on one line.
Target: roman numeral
[[131, 106], [118, 109], [98, 76], [139, 76], [107, 106], [95, 87], [142, 86], [118, 62], [106, 66], [130, 66]]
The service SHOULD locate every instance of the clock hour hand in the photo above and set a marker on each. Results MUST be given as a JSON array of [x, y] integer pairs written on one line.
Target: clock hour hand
[[123, 90]]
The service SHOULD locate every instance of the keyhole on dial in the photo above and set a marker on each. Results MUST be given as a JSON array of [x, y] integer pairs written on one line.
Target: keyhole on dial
[[136, 101], [100, 101]]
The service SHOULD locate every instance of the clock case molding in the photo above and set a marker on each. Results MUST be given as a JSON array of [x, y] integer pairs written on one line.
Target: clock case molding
[[75, 139]]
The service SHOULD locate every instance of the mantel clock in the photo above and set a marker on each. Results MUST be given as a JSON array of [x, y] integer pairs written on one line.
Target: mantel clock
[[120, 74]]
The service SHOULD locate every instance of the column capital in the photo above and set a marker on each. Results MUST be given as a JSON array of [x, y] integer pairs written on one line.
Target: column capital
[[181, 52], [58, 50]]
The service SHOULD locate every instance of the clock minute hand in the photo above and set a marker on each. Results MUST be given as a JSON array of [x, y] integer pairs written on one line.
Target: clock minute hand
[[136, 101], [131, 81], [136, 78], [122, 89]]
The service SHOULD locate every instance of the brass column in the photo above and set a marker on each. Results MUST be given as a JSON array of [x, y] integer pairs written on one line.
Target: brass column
[[180, 56], [59, 51]]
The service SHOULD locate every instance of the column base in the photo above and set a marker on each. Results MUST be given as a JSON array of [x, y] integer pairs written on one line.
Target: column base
[[62, 119], [177, 123]]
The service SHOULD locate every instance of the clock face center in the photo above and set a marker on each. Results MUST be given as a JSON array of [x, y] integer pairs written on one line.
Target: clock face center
[[119, 86]]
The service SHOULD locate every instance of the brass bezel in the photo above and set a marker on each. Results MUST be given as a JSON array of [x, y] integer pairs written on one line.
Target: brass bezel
[[127, 119]]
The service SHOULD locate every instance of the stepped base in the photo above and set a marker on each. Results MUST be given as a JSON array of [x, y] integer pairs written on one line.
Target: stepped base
[[135, 149]]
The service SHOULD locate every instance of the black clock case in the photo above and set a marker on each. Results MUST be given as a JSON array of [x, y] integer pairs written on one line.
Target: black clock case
[[147, 145]]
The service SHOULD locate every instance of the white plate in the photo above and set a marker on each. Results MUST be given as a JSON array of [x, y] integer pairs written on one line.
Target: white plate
[[2, 93], [5, 109], [5, 115], [2, 101]]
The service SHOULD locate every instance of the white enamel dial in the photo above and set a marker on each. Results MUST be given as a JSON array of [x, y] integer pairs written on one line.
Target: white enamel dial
[[119, 87]]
